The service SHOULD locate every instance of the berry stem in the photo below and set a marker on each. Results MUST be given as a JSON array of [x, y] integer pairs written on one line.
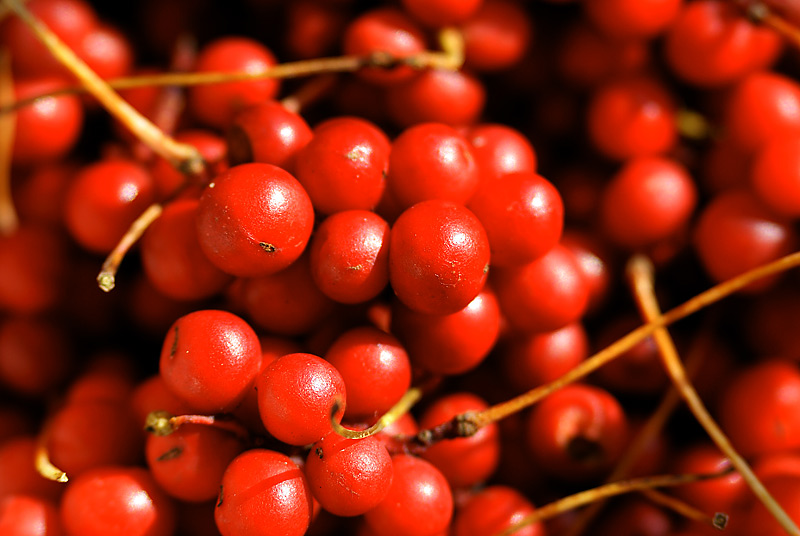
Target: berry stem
[[8, 215], [693, 125], [41, 459], [183, 156], [309, 93], [640, 271], [762, 14], [162, 423], [398, 410], [651, 428], [718, 521], [609, 490], [702, 300], [106, 279]]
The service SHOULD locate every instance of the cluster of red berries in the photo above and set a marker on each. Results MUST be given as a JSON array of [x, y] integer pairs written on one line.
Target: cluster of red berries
[[310, 266]]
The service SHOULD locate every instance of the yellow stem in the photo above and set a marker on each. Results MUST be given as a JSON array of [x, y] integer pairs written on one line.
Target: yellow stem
[[398, 410], [640, 270]]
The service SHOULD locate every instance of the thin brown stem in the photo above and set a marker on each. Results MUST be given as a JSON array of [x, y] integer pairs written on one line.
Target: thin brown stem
[[309, 93], [718, 521], [183, 156], [106, 279], [608, 490], [762, 14], [702, 300], [8, 215], [162, 423], [640, 270], [398, 410]]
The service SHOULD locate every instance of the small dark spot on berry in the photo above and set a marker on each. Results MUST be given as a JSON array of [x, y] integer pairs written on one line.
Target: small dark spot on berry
[[171, 454], [269, 248], [318, 452], [219, 500], [174, 347]]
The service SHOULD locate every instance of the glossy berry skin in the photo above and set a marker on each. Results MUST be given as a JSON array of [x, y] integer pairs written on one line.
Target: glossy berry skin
[[103, 200], [775, 175], [210, 359], [254, 219], [348, 476], [267, 132], [172, 258], [287, 302], [27, 515], [432, 161], [439, 13], [523, 216], [543, 295], [493, 510], [375, 368], [438, 257], [48, 128], [212, 147], [623, 19], [296, 394], [761, 107], [500, 150], [464, 461], [344, 165], [449, 344], [455, 98], [630, 117], [648, 200], [497, 36], [380, 31], [419, 502], [758, 408], [784, 489], [116, 500], [188, 464], [263, 493], [578, 432], [533, 359], [735, 233], [349, 256], [710, 44], [216, 104]]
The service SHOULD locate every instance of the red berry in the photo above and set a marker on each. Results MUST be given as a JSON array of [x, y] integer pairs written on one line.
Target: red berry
[[254, 219], [120, 500], [712, 44], [210, 359], [523, 216], [267, 132], [172, 258], [623, 19], [648, 200], [735, 233], [104, 199], [263, 493], [168, 179], [758, 409], [493, 510], [439, 13], [500, 150], [348, 476], [349, 256], [25, 515], [631, 117], [189, 463], [543, 295], [438, 257], [716, 495], [578, 432], [775, 175], [35, 355], [453, 343], [344, 165], [497, 36], [32, 263], [296, 395], [384, 30], [419, 502], [375, 368], [217, 104], [48, 128], [432, 161], [465, 461]]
